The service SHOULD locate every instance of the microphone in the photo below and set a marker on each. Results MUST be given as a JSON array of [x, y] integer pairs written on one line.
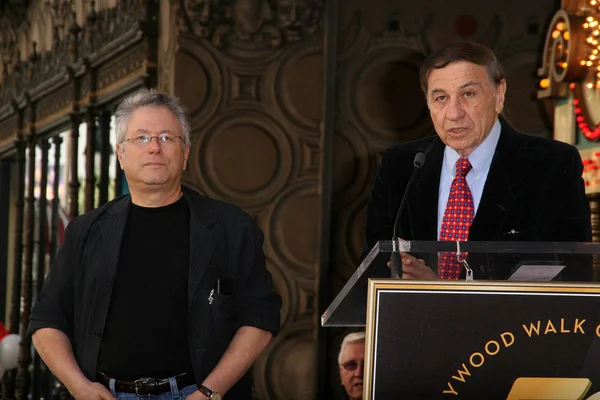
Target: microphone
[[396, 266]]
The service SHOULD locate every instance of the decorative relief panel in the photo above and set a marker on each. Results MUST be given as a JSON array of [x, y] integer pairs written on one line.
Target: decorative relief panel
[[293, 229], [281, 373], [242, 155], [38, 29], [196, 97], [60, 99], [70, 31], [115, 22], [51, 64], [8, 90], [374, 94], [126, 64], [310, 158], [298, 86], [9, 127], [290, 294], [249, 25], [245, 87], [253, 85], [353, 165], [200, 80], [13, 15]]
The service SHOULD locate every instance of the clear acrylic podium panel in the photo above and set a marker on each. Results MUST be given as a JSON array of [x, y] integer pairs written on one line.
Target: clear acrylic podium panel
[[488, 260]]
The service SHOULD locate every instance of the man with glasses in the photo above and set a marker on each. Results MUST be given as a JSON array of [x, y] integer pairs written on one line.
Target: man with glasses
[[162, 292], [352, 361]]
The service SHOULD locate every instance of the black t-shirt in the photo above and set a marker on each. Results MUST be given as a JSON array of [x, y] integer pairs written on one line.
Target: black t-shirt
[[146, 331]]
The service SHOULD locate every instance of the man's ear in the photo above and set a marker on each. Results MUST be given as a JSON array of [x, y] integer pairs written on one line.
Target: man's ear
[[186, 155], [119, 150], [500, 95]]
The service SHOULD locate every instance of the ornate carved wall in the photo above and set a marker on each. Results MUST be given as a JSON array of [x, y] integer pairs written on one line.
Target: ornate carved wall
[[251, 73]]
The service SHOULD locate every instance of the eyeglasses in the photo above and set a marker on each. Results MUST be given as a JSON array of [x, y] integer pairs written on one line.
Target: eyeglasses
[[352, 365], [144, 140]]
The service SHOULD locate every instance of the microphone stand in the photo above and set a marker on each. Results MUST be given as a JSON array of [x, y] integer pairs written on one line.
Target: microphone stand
[[396, 263]]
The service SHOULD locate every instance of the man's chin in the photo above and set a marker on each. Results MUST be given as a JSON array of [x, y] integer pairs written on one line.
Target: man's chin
[[463, 147], [155, 180], [357, 389]]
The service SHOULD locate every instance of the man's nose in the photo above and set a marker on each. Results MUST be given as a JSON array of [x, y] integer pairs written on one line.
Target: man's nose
[[455, 110], [154, 145]]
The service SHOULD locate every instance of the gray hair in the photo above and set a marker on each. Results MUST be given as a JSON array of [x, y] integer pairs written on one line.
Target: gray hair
[[150, 98], [472, 52], [350, 338]]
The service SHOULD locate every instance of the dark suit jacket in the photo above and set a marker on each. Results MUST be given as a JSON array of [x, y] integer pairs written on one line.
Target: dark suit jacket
[[533, 187], [225, 243]]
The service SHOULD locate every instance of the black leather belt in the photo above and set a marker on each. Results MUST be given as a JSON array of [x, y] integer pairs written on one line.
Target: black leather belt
[[147, 386]]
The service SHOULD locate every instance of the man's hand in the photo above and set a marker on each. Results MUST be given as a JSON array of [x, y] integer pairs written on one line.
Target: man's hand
[[92, 391], [245, 347], [415, 268], [55, 349]]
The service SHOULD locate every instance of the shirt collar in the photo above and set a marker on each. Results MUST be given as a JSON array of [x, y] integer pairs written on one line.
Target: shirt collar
[[480, 158]]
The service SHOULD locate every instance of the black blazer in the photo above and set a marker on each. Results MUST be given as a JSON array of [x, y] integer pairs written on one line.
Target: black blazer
[[225, 243], [533, 192]]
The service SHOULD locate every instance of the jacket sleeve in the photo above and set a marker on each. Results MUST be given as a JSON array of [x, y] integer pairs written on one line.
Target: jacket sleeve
[[255, 301], [54, 305]]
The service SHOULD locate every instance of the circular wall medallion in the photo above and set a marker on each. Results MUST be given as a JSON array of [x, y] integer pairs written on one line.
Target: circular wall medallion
[[293, 232], [381, 94], [243, 156]]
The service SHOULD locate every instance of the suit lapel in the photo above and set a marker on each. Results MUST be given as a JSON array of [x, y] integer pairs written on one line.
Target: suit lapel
[[111, 229], [202, 240], [423, 201], [498, 198]]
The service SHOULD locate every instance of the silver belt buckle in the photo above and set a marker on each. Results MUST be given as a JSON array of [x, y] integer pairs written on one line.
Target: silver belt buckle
[[140, 382]]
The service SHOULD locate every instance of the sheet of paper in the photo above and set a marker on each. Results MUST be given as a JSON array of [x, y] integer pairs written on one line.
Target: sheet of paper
[[536, 272]]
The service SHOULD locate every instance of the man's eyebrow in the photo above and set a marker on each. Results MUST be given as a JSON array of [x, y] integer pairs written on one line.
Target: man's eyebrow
[[146, 131], [463, 86], [438, 91], [470, 83]]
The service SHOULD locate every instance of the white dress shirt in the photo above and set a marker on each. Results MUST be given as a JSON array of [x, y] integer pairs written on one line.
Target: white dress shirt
[[480, 159]]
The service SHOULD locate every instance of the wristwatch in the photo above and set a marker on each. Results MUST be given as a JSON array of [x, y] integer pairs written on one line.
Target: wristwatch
[[211, 394]]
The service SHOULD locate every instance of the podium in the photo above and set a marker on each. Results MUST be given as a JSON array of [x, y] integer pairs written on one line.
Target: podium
[[526, 327]]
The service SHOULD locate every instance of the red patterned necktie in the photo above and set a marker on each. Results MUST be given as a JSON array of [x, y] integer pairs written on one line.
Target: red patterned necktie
[[457, 219]]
